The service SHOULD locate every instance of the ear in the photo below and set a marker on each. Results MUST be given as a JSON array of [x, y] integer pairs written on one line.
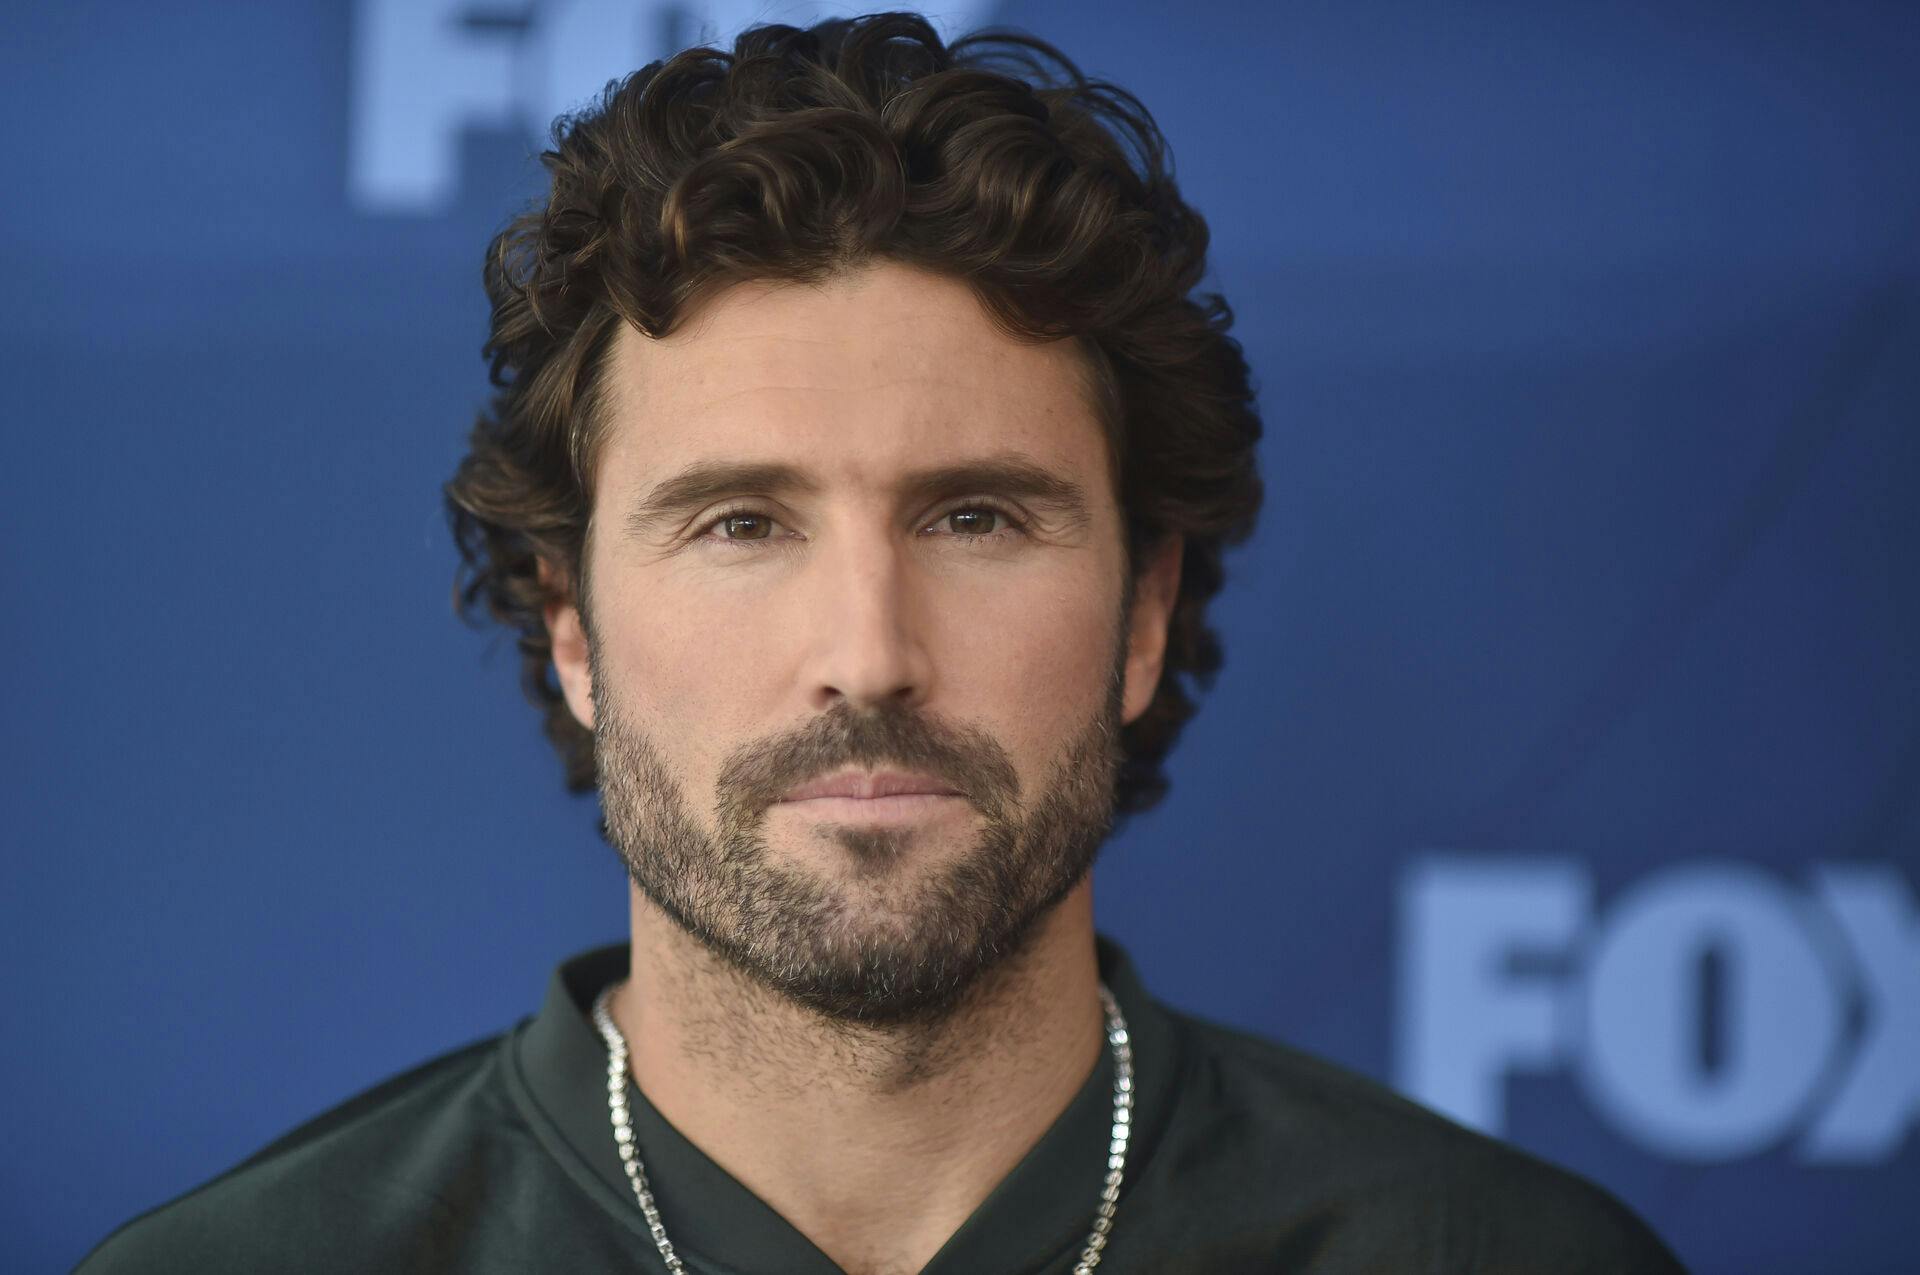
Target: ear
[[567, 633], [1155, 587]]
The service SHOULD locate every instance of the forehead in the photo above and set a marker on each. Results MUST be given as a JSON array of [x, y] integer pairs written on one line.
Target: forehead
[[864, 373]]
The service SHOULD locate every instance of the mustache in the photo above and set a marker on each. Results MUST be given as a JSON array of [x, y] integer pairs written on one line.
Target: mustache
[[757, 774]]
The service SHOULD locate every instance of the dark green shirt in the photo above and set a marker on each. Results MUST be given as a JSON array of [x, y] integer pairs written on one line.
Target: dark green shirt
[[1246, 1156]]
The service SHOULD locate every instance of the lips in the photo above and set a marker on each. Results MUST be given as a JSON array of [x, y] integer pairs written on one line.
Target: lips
[[867, 785]]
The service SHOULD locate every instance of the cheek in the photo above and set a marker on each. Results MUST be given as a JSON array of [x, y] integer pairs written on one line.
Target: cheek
[[1036, 662], [694, 669]]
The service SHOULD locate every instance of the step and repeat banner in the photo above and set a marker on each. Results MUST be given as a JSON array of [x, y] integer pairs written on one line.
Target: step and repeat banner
[[1565, 769]]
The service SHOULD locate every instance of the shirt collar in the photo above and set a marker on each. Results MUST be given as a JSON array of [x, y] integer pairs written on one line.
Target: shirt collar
[[1043, 1207]]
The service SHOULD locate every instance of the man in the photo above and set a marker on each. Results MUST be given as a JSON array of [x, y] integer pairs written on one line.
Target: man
[[857, 484]]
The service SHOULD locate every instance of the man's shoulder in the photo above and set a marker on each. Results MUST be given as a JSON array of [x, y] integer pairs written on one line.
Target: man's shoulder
[[375, 1157], [1285, 1089], [1392, 1167]]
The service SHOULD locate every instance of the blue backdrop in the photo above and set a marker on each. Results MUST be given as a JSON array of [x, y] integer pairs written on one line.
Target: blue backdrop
[[1566, 765]]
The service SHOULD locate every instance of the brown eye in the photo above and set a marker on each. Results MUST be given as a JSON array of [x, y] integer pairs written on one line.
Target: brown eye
[[972, 522], [747, 527]]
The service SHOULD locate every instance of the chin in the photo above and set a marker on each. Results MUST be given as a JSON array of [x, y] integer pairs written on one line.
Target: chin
[[897, 943], [873, 853]]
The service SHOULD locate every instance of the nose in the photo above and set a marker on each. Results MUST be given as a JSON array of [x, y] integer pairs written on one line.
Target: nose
[[866, 615]]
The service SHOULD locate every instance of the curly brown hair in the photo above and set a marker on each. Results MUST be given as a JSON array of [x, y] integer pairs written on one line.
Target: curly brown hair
[[809, 151]]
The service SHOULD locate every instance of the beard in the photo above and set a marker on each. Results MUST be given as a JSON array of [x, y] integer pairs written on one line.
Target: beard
[[902, 933]]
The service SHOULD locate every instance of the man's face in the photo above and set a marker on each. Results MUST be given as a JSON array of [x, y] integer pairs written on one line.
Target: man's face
[[857, 656]]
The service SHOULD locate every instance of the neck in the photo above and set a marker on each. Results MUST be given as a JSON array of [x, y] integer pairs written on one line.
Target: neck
[[875, 1143]]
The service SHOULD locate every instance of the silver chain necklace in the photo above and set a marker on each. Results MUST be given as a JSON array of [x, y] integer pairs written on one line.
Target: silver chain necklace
[[1117, 1040]]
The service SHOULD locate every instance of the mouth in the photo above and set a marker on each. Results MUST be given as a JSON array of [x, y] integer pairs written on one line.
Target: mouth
[[862, 785], [872, 797]]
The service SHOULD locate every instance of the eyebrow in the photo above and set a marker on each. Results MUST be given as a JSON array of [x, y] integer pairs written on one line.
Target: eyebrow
[[1011, 476], [701, 484]]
